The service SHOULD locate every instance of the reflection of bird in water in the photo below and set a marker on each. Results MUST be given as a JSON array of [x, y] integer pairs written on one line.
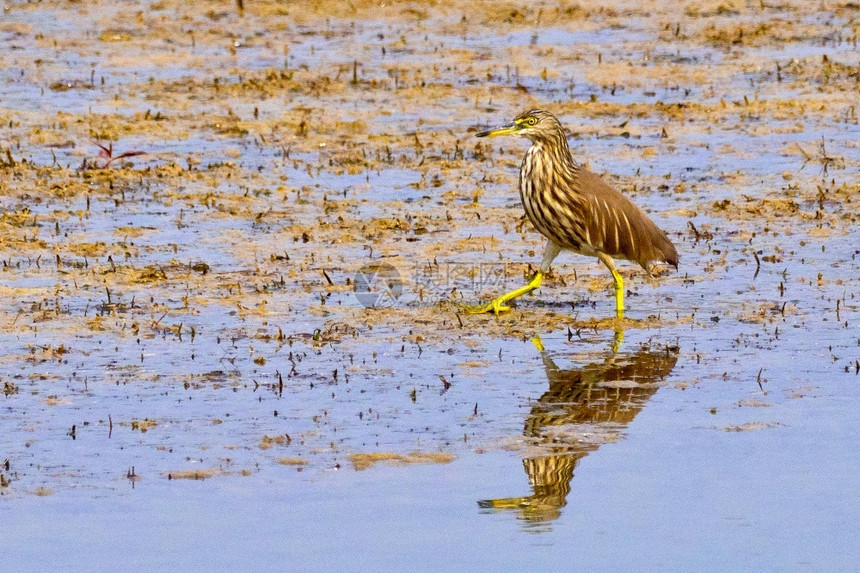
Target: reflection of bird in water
[[597, 399]]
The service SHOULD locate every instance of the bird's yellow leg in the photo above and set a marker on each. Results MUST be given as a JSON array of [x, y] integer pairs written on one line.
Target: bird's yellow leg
[[499, 305], [619, 294], [619, 284]]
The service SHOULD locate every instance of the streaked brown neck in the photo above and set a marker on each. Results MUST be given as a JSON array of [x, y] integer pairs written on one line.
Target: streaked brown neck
[[547, 150], [554, 145]]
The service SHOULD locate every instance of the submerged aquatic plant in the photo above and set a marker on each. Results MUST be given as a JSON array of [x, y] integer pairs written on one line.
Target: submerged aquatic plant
[[106, 153]]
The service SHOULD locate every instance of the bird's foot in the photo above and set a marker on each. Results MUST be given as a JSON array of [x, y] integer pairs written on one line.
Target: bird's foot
[[496, 306], [500, 304]]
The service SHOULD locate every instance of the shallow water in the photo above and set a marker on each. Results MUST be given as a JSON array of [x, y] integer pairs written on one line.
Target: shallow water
[[191, 379]]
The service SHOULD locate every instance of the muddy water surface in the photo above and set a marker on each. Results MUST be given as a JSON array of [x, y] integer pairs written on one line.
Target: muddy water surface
[[192, 374]]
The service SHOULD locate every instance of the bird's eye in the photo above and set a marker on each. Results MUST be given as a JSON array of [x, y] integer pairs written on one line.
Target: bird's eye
[[531, 121]]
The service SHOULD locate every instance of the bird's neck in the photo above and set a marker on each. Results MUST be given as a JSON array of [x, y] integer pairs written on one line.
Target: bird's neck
[[549, 151]]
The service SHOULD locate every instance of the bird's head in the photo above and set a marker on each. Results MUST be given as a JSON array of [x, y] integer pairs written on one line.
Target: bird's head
[[535, 124]]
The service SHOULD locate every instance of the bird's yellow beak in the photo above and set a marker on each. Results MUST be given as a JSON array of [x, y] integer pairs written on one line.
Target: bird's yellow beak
[[513, 128]]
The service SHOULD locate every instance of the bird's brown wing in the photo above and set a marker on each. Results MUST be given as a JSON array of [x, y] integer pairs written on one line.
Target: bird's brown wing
[[620, 229]]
